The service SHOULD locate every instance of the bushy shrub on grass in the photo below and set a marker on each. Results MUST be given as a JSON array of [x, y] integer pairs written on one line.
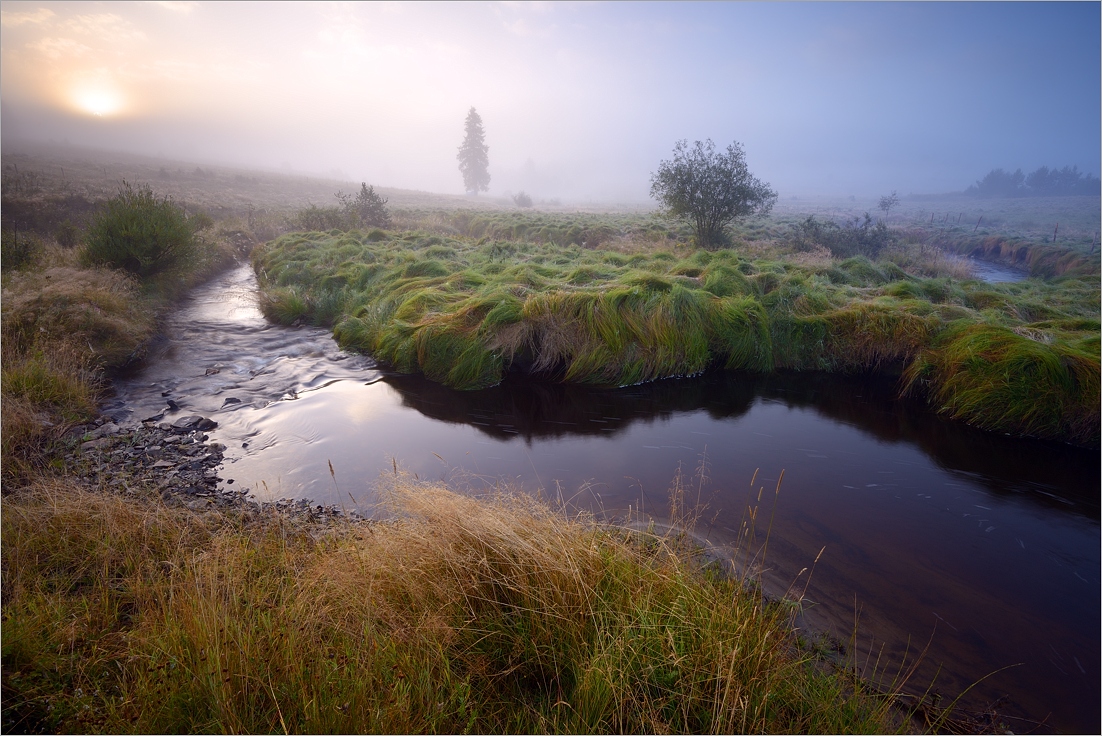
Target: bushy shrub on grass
[[855, 237], [140, 233], [319, 219]]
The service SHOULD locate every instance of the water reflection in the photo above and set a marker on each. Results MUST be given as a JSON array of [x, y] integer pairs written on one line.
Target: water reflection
[[1053, 475]]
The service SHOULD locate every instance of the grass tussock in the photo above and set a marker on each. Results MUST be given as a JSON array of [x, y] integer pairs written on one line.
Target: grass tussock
[[465, 312], [458, 615], [1001, 379]]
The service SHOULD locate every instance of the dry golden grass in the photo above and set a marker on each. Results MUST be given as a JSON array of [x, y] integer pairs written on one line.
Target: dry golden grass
[[457, 614]]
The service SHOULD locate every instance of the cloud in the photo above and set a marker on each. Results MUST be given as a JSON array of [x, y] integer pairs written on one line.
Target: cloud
[[60, 48], [106, 27], [37, 17]]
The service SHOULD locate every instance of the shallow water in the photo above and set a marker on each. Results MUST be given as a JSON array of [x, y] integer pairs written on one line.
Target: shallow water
[[995, 273], [984, 546]]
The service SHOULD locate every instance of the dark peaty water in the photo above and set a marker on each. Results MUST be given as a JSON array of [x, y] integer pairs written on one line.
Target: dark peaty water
[[980, 548]]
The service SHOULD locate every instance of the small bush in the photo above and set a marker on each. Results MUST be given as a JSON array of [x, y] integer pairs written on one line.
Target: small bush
[[140, 233], [521, 199], [368, 209], [853, 238], [68, 235], [18, 250]]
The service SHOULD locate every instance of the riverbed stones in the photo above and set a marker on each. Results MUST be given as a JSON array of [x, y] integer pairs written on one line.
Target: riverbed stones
[[180, 464]]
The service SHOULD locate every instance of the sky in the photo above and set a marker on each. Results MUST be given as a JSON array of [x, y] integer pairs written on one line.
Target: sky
[[579, 101]]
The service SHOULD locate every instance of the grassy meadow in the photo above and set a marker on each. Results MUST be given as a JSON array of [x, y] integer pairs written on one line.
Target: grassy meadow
[[617, 301], [124, 614]]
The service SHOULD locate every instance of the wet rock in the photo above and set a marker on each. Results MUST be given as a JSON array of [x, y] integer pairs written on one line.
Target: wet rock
[[193, 422], [231, 400], [95, 444], [173, 406]]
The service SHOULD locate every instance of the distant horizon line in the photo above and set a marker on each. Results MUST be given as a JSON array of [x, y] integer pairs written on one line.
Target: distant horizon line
[[339, 177]]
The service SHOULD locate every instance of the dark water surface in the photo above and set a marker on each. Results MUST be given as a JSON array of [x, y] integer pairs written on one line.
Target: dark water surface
[[983, 547]]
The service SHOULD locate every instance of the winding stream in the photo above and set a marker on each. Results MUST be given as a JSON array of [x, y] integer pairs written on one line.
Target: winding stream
[[985, 547]]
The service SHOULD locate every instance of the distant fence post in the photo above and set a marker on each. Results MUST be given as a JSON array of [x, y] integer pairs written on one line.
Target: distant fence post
[[977, 227]]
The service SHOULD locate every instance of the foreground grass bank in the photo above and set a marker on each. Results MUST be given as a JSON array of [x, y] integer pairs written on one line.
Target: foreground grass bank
[[1020, 358], [458, 615]]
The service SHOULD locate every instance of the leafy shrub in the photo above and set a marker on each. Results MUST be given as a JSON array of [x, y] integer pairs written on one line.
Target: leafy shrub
[[368, 209], [140, 233], [853, 238], [521, 199]]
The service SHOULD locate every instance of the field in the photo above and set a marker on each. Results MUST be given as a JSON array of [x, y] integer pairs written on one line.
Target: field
[[121, 613]]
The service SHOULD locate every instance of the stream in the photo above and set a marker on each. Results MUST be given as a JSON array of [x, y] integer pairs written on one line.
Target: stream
[[982, 549]]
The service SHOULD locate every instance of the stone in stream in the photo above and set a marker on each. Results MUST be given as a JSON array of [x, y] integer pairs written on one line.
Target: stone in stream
[[193, 421]]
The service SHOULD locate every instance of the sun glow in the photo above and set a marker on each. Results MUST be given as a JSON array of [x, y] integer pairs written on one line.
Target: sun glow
[[97, 101]]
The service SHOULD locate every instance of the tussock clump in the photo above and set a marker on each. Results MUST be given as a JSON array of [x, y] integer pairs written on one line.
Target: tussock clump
[[594, 316], [97, 307], [996, 378]]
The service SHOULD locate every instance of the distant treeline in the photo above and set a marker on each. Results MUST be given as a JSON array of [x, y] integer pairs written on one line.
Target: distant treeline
[[1044, 182]]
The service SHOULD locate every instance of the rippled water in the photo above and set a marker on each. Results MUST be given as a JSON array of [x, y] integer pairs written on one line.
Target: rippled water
[[984, 546]]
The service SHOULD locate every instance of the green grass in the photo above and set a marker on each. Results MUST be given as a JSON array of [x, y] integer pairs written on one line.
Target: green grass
[[463, 312], [459, 615]]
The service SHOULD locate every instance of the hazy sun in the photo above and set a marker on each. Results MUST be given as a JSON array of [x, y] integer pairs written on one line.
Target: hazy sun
[[97, 101]]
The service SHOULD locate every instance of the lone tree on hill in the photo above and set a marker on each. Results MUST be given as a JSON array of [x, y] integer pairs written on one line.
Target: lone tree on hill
[[710, 189], [473, 156]]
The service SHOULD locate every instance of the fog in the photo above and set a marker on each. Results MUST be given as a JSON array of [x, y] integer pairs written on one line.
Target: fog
[[579, 101]]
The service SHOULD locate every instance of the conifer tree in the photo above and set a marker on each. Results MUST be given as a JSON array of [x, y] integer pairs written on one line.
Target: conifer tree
[[473, 159]]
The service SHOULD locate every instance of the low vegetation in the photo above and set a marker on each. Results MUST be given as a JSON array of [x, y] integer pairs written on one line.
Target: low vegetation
[[463, 312], [141, 233], [67, 322], [457, 615]]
